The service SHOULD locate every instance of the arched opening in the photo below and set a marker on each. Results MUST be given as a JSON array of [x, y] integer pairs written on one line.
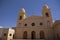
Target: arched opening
[[42, 35], [33, 35], [25, 35], [20, 17], [47, 15]]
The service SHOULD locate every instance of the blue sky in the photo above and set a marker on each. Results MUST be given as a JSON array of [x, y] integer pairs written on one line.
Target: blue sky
[[9, 10]]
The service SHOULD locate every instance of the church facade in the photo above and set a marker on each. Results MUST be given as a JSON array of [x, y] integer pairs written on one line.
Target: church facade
[[35, 27]]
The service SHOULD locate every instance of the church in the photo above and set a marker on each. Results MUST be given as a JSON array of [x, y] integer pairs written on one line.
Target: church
[[33, 27]]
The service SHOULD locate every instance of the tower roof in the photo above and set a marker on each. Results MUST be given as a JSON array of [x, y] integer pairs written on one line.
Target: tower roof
[[23, 10], [46, 6]]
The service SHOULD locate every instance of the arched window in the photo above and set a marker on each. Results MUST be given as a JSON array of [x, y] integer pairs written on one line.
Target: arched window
[[20, 17], [33, 35], [25, 35], [42, 35], [47, 15], [33, 24]]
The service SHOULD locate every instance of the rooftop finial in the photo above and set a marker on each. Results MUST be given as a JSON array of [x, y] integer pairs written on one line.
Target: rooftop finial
[[44, 1], [45, 5]]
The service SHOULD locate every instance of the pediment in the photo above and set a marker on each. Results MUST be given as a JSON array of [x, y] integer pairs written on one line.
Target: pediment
[[34, 17]]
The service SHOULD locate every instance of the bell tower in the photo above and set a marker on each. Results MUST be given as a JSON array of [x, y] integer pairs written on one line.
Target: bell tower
[[21, 16], [46, 13]]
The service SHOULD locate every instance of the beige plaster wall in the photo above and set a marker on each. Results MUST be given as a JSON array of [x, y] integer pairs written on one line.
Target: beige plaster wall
[[10, 31]]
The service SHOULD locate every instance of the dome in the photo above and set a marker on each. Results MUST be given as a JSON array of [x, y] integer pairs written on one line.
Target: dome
[[23, 10], [46, 6]]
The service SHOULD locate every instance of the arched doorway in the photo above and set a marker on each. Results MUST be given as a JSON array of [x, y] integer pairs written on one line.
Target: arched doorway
[[58, 36], [33, 35], [25, 35], [42, 35]]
